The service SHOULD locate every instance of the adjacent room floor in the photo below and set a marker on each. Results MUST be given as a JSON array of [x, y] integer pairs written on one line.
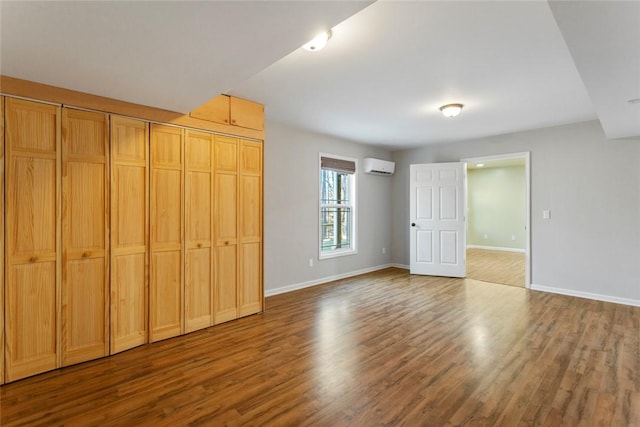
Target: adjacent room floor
[[505, 268], [385, 348]]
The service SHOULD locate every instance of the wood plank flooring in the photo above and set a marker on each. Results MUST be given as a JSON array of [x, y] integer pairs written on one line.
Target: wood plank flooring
[[384, 348], [506, 268]]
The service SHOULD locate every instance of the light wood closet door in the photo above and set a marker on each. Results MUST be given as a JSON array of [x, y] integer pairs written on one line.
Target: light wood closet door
[[226, 228], [85, 261], [246, 113], [129, 233], [33, 250], [250, 226], [199, 230], [216, 110], [167, 230], [1, 239]]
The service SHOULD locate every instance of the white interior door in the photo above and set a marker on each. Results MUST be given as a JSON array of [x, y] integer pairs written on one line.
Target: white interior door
[[437, 219]]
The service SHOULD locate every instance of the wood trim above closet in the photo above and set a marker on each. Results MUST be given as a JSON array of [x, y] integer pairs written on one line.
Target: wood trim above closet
[[67, 97]]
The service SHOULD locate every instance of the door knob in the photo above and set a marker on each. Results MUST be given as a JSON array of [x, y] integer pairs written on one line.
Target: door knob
[[413, 224]]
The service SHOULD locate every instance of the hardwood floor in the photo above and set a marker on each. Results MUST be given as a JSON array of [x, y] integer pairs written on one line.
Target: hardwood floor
[[384, 348], [505, 268]]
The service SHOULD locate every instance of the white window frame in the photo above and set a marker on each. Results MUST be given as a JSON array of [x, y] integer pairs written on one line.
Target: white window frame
[[354, 210]]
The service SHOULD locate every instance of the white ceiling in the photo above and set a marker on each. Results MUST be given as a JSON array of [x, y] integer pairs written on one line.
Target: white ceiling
[[380, 80], [604, 41], [168, 54]]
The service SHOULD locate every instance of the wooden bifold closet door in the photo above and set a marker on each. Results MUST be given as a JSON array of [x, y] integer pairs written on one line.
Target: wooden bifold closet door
[[32, 287], [85, 236], [129, 233], [198, 230], [226, 228], [250, 239], [167, 232]]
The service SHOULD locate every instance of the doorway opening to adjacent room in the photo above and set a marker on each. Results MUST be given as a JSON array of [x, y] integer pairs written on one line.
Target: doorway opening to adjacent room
[[498, 219]]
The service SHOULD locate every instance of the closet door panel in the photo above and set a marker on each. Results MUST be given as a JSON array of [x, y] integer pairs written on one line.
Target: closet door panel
[[166, 146], [199, 289], [246, 113], [216, 110], [32, 126], [226, 228], [31, 319], [32, 207], [250, 295], [166, 208], [85, 335], [251, 154], [85, 204], [128, 188], [250, 292], [199, 150], [199, 231], [129, 233], [131, 139], [167, 232], [199, 206], [32, 286], [166, 261], [166, 293], [85, 279], [251, 199], [226, 154], [128, 301], [226, 212], [226, 294]]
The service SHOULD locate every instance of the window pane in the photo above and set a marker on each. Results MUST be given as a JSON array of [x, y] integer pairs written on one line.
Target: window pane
[[336, 228], [334, 188]]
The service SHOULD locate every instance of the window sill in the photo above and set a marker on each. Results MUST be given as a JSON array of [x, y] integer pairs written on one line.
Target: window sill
[[336, 254]]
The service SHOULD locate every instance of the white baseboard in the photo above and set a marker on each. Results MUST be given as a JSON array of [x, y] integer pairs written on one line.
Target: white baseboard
[[533, 287], [496, 248], [403, 266], [587, 295], [302, 285]]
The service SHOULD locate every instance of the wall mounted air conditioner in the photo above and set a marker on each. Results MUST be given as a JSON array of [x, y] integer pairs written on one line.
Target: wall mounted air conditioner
[[379, 167]]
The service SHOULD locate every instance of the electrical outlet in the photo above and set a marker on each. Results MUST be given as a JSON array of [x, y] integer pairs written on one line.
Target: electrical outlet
[[513, 237], [546, 214], [310, 262], [485, 237], [384, 250]]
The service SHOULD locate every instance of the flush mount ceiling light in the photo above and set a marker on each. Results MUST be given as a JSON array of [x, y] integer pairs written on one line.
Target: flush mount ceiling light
[[318, 42], [451, 110]]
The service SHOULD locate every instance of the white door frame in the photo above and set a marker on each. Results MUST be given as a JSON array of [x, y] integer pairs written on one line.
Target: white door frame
[[527, 171]]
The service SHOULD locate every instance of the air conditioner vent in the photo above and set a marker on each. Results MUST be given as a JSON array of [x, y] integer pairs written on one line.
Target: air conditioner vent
[[379, 167]]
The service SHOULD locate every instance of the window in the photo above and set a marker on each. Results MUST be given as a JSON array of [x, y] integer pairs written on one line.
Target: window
[[337, 206]]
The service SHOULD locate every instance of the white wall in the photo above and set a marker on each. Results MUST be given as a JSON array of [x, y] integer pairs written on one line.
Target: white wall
[[591, 185], [291, 206], [496, 207]]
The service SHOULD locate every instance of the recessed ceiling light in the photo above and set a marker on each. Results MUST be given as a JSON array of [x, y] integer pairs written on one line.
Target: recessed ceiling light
[[451, 110], [318, 42], [480, 165]]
